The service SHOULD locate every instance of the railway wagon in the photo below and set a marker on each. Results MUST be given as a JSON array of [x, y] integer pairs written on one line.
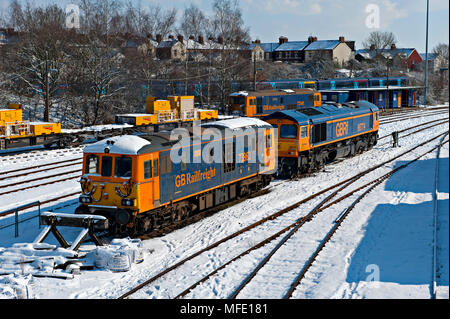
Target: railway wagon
[[309, 138], [15, 132], [263, 103], [143, 182]]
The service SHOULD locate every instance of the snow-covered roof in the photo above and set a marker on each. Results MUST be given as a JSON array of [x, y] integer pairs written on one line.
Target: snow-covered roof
[[125, 144], [240, 93], [238, 123], [322, 45], [292, 46]]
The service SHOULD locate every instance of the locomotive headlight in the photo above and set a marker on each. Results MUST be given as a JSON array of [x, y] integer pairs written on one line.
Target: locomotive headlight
[[85, 199], [128, 202]]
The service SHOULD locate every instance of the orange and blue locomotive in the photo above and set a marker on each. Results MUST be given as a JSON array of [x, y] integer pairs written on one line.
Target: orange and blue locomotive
[[263, 103], [143, 182], [309, 138]]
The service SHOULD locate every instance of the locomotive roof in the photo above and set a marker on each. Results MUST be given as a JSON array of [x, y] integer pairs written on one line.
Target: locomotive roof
[[130, 144], [273, 92], [149, 143], [237, 123], [325, 112]]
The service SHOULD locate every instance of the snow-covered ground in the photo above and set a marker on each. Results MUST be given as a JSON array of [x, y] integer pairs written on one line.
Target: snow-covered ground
[[382, 250]]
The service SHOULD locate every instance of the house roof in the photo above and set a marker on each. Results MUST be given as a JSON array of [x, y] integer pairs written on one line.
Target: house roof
[[269, 47], [388, 53], [322, 45], [292, 46], [431, 56], [167, 43]]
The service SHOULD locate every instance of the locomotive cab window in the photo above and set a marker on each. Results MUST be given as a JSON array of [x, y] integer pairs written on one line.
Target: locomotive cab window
[[123, 167], [288, 131], [147, 169], [92, 164], [106, 166]]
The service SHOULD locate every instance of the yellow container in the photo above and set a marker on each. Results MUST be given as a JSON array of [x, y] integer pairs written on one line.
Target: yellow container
[[153, 106], [208, 114], [38, 128], [10, 116], [146, 119], [182, 103]]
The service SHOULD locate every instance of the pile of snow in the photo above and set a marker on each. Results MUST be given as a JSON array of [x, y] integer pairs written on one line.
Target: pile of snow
[[16, 286], [120, 255], [45, 260], [37, 260]]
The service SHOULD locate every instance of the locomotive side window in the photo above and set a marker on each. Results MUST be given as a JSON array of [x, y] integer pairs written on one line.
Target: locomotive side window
[[229, 155], [147, 169], [269, 140], [106, 166], [288, 131], [92, 164], [155, 168], [123, 167], [303, 131]]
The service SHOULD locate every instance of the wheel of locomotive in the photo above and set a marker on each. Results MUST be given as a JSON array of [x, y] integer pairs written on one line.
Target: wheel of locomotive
[[176, 215]]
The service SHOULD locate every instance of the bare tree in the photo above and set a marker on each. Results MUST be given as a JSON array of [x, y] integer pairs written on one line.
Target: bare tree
[[228, 24], [39, 61], [379, 40]]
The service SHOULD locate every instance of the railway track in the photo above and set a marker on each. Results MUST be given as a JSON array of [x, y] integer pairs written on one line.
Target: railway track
[[274, 216], [409, 112], [383, 122], [293, 228], [73, 162], [369, 188]]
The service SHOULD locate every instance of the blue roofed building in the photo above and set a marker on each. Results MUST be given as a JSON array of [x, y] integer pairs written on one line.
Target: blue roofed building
[[339, 50], [291, 51]]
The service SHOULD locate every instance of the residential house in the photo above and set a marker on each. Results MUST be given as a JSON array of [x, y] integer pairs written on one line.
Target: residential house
[[407, 58], [173, 49], [436, 63], [290, 51], [8, 36], [334, 50]]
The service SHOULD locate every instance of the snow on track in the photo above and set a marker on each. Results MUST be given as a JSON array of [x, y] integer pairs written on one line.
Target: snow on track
[[340, 272]]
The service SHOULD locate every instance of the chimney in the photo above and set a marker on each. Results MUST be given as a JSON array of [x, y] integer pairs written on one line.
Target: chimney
[[149, 36], [211, 38], [158, 38], [282, 40], [220, 40], [315, 39], [341, 39], [258, 41], [171, 37], [201, 40], [372, 47], [393, 47], [180, 38], [191, 37]]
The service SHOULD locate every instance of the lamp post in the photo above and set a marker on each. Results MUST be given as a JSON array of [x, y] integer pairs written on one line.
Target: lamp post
[[426, 56], [389, 63]]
